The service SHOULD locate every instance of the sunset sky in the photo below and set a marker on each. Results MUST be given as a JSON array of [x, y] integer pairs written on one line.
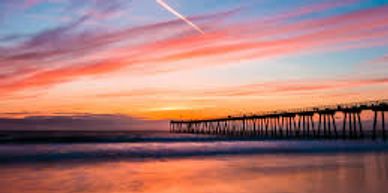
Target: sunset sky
[[140, 59]]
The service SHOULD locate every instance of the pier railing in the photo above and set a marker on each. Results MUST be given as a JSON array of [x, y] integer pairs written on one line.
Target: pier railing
[[295, 123]]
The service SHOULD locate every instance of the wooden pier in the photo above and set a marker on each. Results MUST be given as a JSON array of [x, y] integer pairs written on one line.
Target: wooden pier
[[307, 123]]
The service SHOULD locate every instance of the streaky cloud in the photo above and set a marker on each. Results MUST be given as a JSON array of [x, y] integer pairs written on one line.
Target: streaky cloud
[[57, 55]]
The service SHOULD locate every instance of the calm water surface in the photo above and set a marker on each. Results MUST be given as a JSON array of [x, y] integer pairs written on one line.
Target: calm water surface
[[351, 173], [171, 165]]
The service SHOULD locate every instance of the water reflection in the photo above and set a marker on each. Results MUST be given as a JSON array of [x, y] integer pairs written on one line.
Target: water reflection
[[341, 173]]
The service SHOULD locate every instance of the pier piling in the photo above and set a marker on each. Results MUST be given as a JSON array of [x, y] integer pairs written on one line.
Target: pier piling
[[299, 123]]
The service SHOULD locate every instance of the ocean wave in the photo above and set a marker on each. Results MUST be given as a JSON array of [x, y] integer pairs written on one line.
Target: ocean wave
[[49, 137], [17, 153]]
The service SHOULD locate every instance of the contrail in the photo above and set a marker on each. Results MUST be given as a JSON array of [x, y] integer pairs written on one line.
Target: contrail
[[170, 9]]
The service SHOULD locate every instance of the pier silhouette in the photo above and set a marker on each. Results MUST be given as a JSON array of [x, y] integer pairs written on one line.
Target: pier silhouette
[[295, 123]]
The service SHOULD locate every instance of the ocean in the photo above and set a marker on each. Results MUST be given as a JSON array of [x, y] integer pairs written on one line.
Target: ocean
[[158, 161]]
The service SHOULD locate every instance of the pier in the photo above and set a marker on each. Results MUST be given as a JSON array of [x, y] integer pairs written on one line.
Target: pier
[[305, 123]]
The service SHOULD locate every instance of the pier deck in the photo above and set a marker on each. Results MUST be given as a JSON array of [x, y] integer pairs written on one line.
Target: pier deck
[[305, 123]]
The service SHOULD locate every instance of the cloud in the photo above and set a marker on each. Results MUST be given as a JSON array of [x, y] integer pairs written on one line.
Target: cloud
[[271, 88], [326, 32], [379, 60], [308, 9], [31, 3], [297, 87], [58, 55], [46, 52]]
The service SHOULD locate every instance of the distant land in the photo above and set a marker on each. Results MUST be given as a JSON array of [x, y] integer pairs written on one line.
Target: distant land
[[82, 122]]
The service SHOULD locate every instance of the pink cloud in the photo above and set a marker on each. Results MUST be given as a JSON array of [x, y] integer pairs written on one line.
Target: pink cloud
[[31, 3], [57, 55], [284, 87], [380, 60], [295, 87]]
